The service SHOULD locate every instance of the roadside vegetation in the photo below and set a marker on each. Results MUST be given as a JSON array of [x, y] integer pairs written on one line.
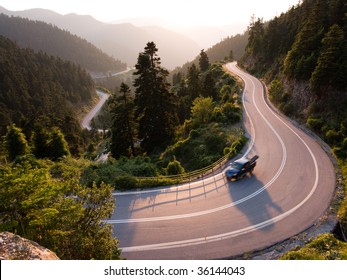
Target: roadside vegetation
[[41, 200], [301, 55], [202, 110], [52, 189]]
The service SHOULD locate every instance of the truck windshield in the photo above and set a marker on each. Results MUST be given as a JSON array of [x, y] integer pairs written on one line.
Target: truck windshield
[[236, 165]]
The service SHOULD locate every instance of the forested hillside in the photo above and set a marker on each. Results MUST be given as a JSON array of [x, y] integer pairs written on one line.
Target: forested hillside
[[47, 38], [302, 56], [41, 197], [40, 90], [236, 44], [123, 41], [232, 47]]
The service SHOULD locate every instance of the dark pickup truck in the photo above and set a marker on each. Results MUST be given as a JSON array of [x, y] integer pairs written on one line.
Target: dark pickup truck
[[239, 168]]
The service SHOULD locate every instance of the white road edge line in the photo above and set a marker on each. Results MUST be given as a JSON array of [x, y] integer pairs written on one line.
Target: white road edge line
[[208, 239], [175, 188], [200, 213], [210, 211]]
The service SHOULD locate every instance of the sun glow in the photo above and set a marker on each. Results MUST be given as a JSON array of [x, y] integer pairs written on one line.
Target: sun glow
[[176, 12]]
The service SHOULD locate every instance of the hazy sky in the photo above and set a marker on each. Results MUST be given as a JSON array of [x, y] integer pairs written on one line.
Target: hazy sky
[[178, 12]]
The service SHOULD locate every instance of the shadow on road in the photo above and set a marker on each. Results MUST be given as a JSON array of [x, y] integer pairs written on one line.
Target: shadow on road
[[147, 204], [254, 200]]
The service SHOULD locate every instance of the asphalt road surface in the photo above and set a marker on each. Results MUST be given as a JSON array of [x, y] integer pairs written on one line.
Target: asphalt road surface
[[91, 114], [290, 189]]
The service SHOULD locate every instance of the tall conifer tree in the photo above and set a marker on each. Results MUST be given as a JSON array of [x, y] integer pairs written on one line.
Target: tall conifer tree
[[16, 142], [193, 82], [124, 126], [58, 147], [155, 108], [204, 62]]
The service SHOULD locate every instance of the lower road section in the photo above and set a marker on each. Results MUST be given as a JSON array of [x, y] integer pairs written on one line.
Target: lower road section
[[92, 113], [289, 190]]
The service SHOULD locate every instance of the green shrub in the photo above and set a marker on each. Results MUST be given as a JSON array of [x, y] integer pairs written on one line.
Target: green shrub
[[145, 183], [238, 144], [315, 123], [344, 144], [231, 112], [125, 182], [202, 111], [287, 107], [333, 137], [193, 134], [218, 115], [324, 247], [303, 254], [215, 143], [226, 150], [226, 93], [174, 168], [276, 91], [339, 152]]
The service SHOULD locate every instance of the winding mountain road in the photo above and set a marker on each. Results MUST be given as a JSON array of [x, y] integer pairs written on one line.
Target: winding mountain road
[[91, 114], [290, 189]]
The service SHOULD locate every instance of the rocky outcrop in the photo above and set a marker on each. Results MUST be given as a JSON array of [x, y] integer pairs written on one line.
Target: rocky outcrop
[[14, 247]]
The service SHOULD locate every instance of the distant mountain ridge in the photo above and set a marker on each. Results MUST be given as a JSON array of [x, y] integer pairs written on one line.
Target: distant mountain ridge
[[38, 89], [41, 36], [122, 41], [205, 36]]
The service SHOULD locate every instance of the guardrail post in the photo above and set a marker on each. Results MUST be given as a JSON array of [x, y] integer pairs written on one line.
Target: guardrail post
[[188, 177]]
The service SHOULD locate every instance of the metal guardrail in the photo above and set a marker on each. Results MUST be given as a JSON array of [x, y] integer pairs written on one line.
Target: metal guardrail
[[187, 177]]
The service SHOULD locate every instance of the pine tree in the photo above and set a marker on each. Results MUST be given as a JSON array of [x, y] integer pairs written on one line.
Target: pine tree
[[326, 73], [123, 124], [193, 82], [184, 101], [203, 61], [231, 55], [40, 142], [16, 142], [155, 108], [256, 36], [301, 60], [208, 86], [58, 147]]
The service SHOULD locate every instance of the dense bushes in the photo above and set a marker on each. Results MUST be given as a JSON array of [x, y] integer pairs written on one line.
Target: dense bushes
[[56, 211], [324, 247], [174, 168], [119, 173], [201, 148]]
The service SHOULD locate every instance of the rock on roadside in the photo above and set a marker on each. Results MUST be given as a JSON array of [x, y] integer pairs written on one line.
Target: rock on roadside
[[14, 247]]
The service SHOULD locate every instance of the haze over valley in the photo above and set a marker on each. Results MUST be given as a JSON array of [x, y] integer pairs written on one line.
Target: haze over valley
[[123, 41], [179, 33]]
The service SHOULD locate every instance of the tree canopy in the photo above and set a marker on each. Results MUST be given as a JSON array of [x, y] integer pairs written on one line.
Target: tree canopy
[[58, 213], [37, 89], [204, 62], [302, 55], [16, 142], [124, 125], [155, 104]]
